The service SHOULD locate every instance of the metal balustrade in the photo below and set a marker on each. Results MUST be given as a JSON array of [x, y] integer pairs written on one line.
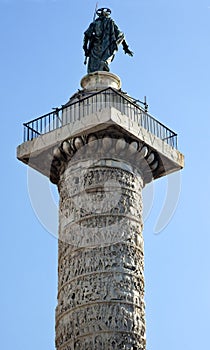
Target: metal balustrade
[[92, 104]]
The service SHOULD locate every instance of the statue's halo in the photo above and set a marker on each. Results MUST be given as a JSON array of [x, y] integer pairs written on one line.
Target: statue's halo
[[103, 9]]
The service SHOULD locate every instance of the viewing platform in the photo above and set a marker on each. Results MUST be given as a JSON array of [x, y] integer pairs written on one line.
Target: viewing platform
[[101, 104]]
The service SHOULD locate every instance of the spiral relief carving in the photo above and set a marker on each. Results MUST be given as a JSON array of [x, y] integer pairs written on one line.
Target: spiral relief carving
[[101, 250]]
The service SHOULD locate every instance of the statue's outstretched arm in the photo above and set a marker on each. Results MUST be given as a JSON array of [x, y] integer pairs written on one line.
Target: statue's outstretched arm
[[126, 49]]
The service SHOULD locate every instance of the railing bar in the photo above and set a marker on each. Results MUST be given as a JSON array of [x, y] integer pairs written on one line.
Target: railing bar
[[56, 120], [79, 110], [29, 128], [169, 137]]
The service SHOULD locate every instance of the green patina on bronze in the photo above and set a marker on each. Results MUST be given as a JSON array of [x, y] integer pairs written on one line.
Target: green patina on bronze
[[101, 41]]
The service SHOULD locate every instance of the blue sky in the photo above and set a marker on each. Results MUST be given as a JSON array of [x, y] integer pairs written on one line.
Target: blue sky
[[41, 64]]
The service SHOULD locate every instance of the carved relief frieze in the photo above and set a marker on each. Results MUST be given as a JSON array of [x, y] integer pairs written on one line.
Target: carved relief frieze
[[95, 287], [101, 211], [118, 257], [100, 258], [108, 320]]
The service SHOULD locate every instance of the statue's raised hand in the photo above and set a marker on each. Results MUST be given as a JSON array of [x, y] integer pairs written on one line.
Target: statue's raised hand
[[129, 52], [126, 49]]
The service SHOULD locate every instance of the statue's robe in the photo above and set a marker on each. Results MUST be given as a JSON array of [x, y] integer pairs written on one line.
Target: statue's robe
[[104, 37]]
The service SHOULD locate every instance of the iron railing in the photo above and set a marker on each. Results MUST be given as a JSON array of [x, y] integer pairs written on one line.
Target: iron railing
[[94, 103]]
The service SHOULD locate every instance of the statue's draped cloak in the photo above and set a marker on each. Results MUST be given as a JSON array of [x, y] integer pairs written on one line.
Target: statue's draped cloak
[[104, 38]]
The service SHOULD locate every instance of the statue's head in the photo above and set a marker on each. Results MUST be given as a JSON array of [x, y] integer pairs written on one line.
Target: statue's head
[[103, 12]]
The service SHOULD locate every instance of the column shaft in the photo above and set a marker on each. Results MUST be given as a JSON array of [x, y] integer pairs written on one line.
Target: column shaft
[[101, 259]]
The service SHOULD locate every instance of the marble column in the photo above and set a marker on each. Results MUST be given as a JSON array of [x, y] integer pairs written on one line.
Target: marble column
[[101, 148], [101, 253]]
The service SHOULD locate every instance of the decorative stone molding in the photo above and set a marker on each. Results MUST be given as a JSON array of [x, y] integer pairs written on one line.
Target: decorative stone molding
[[100, 80], [109, 145]]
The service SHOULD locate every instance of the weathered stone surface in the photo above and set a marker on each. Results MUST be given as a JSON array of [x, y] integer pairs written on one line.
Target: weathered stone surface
[[101, 259], [100, 80]]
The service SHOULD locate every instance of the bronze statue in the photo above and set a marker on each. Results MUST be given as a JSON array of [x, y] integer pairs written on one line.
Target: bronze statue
[[101, 41]]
